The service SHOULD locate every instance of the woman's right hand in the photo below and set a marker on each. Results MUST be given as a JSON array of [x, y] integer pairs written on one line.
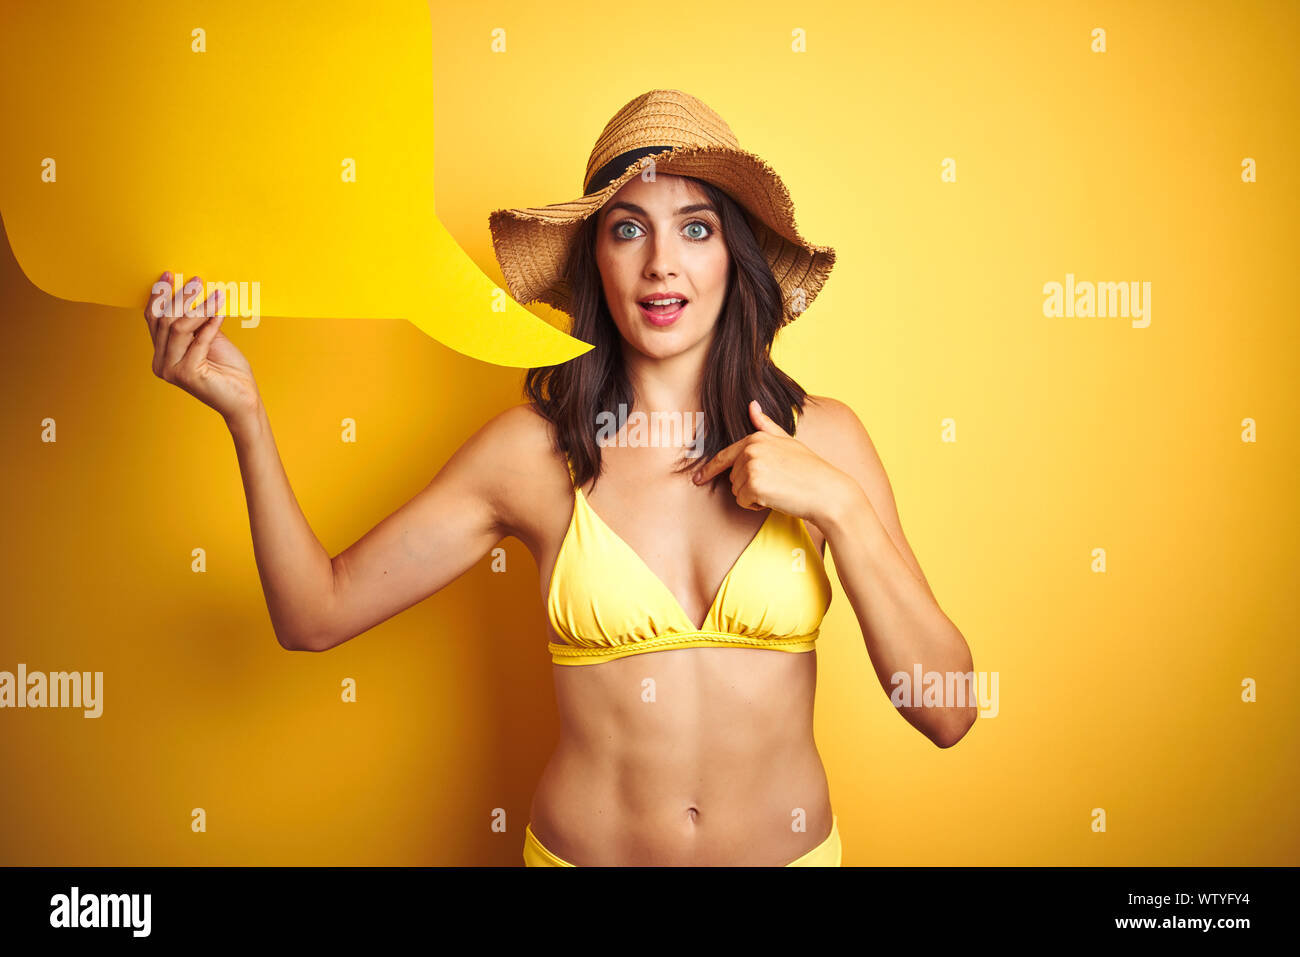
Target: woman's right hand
[[191, 351]]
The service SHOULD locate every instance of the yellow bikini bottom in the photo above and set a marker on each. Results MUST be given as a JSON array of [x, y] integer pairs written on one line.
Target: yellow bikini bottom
[[825, 854]]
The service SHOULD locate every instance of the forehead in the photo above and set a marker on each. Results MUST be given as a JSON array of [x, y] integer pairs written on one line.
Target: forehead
[[661, 195]]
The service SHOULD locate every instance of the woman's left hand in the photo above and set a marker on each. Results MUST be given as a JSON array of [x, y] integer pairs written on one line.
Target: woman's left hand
[[772, 469]]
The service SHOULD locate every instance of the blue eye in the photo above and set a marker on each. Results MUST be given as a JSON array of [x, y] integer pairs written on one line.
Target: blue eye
[[627, 223]]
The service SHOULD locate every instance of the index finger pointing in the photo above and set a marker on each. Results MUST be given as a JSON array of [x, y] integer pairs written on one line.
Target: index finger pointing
[[720, 462]]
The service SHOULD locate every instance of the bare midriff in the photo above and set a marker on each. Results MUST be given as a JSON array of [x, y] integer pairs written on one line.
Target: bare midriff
[[693, 756]]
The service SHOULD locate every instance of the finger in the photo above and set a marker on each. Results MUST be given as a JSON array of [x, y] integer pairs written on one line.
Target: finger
[[179, 331], [181, 301], [173, 305], [763, 421], [166, 312], [720, 462], [160, 295], [191, 301], [743, 489], [213, 304], [161, 334], [179, 339], [198, 350]]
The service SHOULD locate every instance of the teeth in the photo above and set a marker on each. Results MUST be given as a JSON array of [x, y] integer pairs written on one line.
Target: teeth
[[661, 302]]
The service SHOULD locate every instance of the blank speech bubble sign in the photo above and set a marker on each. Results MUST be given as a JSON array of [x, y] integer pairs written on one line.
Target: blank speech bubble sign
[[287, 145]]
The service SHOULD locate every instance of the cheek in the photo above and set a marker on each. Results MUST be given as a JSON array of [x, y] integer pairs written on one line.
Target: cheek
[[718, 269], [606, 270], [611, 270]]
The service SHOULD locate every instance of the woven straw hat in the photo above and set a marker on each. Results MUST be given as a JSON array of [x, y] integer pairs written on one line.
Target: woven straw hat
[[664, 131]]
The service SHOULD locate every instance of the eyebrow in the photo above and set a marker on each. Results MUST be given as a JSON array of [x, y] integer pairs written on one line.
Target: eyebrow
[[632, 207]]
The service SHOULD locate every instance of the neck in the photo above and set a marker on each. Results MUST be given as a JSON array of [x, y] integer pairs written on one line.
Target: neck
[[670, 384]]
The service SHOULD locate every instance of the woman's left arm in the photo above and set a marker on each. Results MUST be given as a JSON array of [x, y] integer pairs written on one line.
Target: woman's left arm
[[907, 634]]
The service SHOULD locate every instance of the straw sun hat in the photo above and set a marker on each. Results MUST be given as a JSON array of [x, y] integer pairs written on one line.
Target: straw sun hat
[[670, 132]]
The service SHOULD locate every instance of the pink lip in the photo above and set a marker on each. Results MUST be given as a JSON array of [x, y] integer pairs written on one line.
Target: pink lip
[[663, 318]]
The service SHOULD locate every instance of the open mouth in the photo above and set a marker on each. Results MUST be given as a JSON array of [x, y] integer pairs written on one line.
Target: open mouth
[[662, 309]]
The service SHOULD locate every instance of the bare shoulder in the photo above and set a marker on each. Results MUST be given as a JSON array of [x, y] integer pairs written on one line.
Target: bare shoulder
[[516, 450], [835, 432], [832, 430], [827, 425], [519, 426]]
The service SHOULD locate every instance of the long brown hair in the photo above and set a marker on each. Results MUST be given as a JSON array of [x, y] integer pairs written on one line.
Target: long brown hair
[[738, 369]]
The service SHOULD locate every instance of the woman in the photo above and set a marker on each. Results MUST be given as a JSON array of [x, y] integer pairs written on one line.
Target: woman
[[682, 625]]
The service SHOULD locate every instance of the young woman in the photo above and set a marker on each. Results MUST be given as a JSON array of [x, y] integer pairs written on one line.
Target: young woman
[[681, 623]]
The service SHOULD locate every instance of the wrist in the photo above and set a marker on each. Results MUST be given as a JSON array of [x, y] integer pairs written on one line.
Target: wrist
[[248, 422], [844, 503]]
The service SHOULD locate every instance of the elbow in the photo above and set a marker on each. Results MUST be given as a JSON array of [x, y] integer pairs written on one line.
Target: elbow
[[952, 732], [290, 642], [312, 633]]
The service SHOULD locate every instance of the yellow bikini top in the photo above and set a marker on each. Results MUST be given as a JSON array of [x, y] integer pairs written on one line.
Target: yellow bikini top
[[605, 603]]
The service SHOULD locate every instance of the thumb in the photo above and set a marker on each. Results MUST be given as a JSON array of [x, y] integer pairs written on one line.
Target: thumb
[[199, 347], [763, 422]]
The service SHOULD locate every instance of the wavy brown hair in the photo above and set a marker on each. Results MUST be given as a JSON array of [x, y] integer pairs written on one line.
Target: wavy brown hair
[[738, 369]]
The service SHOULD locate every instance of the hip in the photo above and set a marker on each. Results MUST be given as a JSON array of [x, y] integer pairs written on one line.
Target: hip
[[827, 853]]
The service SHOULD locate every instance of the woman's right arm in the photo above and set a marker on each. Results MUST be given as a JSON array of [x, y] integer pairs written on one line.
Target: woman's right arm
[[316, 602]]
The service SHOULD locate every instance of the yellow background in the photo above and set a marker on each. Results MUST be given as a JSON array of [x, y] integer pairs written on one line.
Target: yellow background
[[1118, 690], [286, 144]]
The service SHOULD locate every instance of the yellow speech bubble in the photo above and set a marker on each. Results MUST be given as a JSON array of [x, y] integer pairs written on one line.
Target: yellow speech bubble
[[285, 150]]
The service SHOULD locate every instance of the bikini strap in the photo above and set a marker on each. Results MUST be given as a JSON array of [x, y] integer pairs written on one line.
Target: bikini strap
[[573, 475]]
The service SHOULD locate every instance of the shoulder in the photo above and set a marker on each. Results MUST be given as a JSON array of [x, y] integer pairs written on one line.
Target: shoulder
[[828, 423], [515, 451], [834, 431], [520, 426], [517, 444]]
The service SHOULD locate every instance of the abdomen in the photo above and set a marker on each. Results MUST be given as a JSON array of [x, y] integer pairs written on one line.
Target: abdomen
[[697, 756]]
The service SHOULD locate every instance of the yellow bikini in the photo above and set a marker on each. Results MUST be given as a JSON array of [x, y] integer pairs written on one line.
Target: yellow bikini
[[829, 853], [606, 603]]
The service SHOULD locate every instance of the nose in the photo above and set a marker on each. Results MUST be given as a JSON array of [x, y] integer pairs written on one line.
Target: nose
[[660, 257]]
